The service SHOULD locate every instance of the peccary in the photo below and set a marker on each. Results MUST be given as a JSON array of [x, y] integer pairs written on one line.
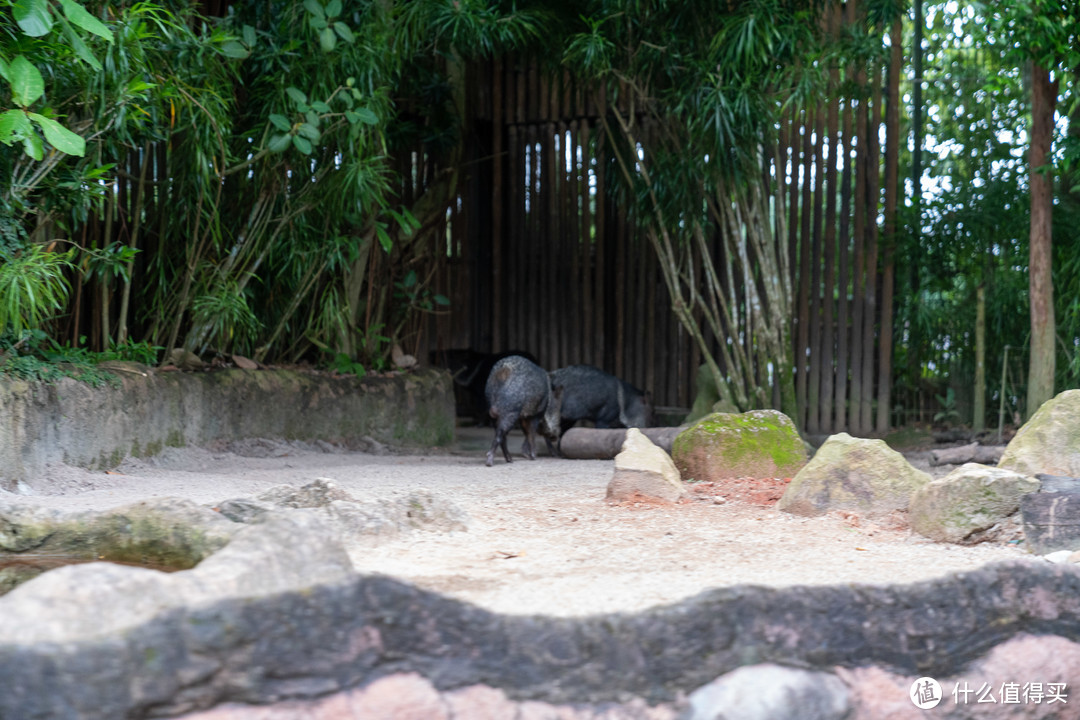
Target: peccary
[[470, 370], [518, 390], [589, 393]]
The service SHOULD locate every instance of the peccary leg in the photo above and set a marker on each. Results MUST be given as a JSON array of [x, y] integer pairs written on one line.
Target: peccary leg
[[501, 429], [528, 447]]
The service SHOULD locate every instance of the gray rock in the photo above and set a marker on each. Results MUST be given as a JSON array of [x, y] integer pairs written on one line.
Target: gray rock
[[91, 600], [316, 494], [643, 469], [862, 476], [167, 531], [771, 692], [357, 519], [970, 499], [1050, 441]]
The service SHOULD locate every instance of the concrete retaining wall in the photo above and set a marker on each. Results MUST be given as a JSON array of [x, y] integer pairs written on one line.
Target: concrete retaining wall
[[146, 411]]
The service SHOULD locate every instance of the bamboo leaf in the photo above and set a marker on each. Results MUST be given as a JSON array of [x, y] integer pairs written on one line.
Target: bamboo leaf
[[80, 47], [78, 15], [33, 17], [59, 136], [27, 84]]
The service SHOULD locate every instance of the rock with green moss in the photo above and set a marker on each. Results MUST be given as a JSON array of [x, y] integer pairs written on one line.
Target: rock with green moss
[[162, 531], [759, 443], [971, 499], [1050, 441], [854, 475]]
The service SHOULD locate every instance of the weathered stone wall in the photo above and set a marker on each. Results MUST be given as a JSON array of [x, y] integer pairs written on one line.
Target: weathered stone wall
[[96, 428]]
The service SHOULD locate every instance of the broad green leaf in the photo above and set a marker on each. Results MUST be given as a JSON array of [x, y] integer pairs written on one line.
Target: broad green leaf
[[280, 122], [33, 17], [77, 14], [302, 144], [14, 125], [27, 84], [344, 32], [315, 8], [234, 50], [310, 132], [249, 36], [327, 40], [33, 146], [318, 23], [333, 8], [80, 47], [59, 136], [312, 118], [4, 70], [442, 300], [410, 279], [320, 106], [347, 99], [352, 117], [297, 96], [279, 143], [366, 116]]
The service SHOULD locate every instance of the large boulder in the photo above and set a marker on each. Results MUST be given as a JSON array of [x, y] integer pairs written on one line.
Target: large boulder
[[759, 443], [173, 532], [1050, 441], [970, 499], [359, 519], [644, 470], [853, 474]]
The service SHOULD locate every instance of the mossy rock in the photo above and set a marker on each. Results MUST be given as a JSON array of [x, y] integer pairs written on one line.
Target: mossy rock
[[170, 532], [759, 443], [1050, 441], [970, 499], [855, 475]]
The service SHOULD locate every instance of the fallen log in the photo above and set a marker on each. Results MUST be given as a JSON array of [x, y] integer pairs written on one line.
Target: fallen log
[[984, 454], [582, 443]]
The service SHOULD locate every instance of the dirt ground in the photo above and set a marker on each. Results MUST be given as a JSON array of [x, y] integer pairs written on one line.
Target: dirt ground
[[541, 537]]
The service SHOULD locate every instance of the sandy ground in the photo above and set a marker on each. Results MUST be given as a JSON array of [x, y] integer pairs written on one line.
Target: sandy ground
[[541, 537]]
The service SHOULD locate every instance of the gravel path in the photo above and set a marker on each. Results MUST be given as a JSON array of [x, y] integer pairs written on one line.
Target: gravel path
[[541, 538]]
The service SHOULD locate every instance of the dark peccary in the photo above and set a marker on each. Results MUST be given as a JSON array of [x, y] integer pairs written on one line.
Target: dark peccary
[[589, 393], [519, 390], [470, 370]]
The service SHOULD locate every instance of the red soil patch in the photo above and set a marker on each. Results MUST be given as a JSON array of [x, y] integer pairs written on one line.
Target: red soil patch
[[765, 492]]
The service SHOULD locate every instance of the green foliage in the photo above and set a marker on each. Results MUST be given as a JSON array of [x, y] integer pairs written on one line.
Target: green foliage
[[226, 317], [32, 287]]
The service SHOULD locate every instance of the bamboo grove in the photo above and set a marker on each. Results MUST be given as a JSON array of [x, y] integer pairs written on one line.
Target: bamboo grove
[[827, 206]]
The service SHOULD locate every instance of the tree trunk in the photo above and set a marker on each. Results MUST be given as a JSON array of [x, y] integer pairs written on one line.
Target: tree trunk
[[979, 420], [873, 184], [1041, 353], [892, 181], [832, 128]]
